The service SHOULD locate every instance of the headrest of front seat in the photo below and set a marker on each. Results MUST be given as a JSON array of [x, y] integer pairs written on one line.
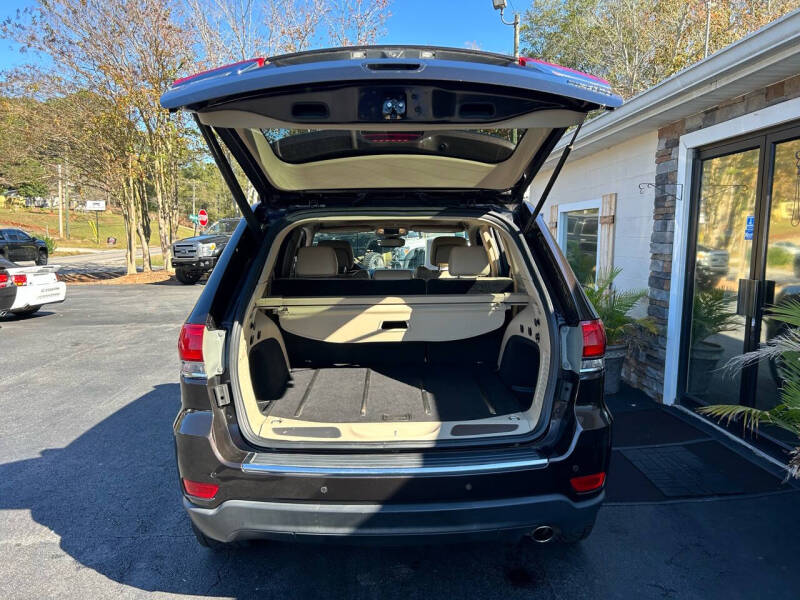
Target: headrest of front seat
[[469, 261], [441, 247], [392, 274], [316, 261], [344, 253]]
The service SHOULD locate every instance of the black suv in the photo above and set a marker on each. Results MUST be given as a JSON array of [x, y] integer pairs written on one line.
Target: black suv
[[195, 256], [323, 394]]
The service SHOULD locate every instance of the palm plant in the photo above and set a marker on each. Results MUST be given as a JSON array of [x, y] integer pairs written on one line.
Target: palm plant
[[613, 306], [784, 350], [711, 314]]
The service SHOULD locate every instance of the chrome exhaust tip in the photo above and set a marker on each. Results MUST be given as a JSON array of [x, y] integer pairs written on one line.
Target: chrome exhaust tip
[[543, 534]]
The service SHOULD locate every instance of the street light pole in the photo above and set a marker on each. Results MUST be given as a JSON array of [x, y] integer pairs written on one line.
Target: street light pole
[[501, 6]]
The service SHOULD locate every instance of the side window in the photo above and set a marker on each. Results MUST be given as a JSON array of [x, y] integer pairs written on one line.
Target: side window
[[12, 236], [21, 235], [577, 237]]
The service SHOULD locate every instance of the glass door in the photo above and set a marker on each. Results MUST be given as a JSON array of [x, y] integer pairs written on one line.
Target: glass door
[[725, 227], [744, 256], [782, 256]]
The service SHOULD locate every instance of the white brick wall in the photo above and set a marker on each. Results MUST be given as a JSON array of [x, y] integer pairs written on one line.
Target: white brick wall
[[619, 169]]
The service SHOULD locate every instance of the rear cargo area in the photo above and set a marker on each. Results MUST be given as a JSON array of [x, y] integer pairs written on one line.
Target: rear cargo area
[[398, 393]]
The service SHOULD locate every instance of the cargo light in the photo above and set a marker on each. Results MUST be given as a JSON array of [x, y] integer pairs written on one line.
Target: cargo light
[[588, 483], [198, 489], [237, 67], [190, 350], [525, 60], [388, 138]]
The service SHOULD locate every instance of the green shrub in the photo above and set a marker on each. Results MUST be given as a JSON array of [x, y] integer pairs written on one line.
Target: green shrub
[[778, 257], [51, 244]]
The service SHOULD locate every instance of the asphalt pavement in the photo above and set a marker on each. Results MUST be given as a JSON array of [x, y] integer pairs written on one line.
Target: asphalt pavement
[[90, 505], [102, 261]]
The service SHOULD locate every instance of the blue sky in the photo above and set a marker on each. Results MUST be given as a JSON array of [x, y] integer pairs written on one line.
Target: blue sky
[[434, 22]]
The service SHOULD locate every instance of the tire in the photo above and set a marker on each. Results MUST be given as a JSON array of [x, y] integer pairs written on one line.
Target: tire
[[187, 277], [214, 545], [574, 537], [26, 312], [375, 261], [41, 258]]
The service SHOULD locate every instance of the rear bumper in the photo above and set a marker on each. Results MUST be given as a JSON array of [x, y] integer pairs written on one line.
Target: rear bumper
[[248, 519], [37, 295]]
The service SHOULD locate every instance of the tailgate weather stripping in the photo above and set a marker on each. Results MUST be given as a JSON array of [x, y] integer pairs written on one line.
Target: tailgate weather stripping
[[230, 179], [395, 465]]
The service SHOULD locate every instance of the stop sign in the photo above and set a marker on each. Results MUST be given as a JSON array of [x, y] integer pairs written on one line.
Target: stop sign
[[202, 217]]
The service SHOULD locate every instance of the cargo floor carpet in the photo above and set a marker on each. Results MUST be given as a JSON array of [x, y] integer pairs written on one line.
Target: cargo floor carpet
[[396, 393]]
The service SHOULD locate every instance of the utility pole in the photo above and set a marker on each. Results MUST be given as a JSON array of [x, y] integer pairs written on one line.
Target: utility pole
[[66, 196], [501, 6], [709, 4], [60, 206], [193, 208]]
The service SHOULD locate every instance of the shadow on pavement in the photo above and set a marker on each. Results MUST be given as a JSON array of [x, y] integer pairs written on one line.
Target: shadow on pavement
[[112, 496]]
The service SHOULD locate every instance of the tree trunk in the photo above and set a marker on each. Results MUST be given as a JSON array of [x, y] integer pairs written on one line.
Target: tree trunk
[[143, 226], [129, 216], [164, 224]]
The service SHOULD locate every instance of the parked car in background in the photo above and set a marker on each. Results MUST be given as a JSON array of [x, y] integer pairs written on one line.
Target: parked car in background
[[195, 256], [16, 245], [33, 287]]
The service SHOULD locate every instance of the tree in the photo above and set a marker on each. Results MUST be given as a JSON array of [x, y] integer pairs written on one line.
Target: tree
[[637, 43]]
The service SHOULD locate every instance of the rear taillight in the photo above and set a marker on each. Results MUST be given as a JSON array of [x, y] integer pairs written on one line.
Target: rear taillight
[[588, 483], [20, 280], [5, 280], [594, 339], [190, 350], [198, 489]]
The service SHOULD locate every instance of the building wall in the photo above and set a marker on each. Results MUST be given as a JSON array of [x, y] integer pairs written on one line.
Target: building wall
[[616, 170], [646, 370]]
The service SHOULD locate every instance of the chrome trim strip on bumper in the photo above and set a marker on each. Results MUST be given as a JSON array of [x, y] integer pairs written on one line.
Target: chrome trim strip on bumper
[[391, 466]]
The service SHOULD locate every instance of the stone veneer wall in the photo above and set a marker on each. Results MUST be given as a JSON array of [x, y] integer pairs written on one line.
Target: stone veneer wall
[[645, 367]]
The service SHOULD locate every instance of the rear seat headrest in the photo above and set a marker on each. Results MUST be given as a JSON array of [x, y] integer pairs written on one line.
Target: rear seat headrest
[[441, 247], [393, 274], [344, 253], [316, 261], [469, 261]]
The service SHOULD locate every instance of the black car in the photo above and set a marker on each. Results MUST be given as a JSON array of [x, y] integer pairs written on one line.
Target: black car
[[17, 246], [193, 257], [462, 398]]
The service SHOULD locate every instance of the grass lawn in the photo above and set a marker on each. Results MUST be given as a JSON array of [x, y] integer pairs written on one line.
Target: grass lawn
[[41, 222]]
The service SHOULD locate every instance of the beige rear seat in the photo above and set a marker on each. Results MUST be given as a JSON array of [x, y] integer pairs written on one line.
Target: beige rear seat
[[440, 256]]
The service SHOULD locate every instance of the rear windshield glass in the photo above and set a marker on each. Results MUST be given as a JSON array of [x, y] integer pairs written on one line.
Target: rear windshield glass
[[306, 145], [410, 249]]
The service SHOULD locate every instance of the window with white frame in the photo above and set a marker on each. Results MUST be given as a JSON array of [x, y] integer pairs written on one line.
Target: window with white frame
[[578, 228]]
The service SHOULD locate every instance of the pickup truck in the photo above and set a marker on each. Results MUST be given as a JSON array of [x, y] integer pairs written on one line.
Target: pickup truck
[[16, 245], [195, 256]]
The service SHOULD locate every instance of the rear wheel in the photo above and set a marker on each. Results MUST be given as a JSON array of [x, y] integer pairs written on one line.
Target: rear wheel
[[26, 312], [187, 277], [573, 537], [211, 544], [41, 258]]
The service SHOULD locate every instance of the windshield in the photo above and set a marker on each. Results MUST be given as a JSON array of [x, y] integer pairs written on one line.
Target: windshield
[[306, 145], [226, 227], [369, 253]]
